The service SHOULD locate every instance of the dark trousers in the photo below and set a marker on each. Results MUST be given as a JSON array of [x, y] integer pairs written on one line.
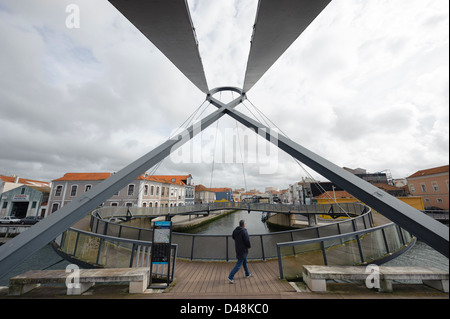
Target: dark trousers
[[241, 262]]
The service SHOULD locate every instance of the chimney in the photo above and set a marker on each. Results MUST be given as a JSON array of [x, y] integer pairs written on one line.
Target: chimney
[[16, 180]]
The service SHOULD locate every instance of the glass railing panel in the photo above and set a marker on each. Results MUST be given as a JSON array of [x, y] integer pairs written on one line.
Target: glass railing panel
[[373, 246], [293, 258], [342, 251], [87, 248], [69, 241], [115, 254], [393, 238], [210, 247]]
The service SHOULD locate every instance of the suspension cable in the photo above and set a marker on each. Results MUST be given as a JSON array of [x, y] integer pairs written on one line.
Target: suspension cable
[[296, 160]]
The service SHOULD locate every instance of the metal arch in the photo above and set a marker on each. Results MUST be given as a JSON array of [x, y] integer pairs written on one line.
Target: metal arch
[[277, 25], [168, 25]]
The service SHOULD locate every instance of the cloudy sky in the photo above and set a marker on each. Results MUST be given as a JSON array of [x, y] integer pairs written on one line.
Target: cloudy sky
[[366, 85]]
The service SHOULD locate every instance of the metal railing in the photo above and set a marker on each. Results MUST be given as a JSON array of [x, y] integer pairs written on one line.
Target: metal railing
[[221, 247], [122, 211], [374, 245], [101, 251]]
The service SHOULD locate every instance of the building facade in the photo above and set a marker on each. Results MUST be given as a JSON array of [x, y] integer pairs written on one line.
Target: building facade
[[24, 201], [145, 191], [432, 185], [204, 195]]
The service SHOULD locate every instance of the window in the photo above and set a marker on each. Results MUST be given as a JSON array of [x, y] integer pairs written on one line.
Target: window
[[145, 190], [88, 188], [129, 204], [34, 204], [5, 204], [114, 204], [157, 190], [424, 188], [435, 186], [162, 191], [58, 191], [427, 200], [439, 200], [22, 191], [411, 188], [73, 191], [152, 190], [130, 190], [55, 207]]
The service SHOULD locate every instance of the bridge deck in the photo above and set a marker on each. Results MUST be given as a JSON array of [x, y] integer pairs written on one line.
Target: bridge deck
[[209, 279]]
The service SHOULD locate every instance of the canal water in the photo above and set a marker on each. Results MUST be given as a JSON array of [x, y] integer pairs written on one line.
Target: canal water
[[226, 224]]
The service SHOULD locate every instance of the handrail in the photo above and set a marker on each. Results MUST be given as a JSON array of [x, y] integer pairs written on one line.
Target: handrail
[[117, 211], [381, 252], [127, 251], [195, 246]]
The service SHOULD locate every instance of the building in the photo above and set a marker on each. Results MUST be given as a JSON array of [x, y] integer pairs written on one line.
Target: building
[[24, 201], [9, 182], [378, 177], [223, 193], [145, 191], [204, 195], [432, 185], [331, 197]]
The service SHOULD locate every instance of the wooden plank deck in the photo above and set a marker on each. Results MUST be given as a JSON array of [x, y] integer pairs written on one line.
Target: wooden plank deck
[[210, 280]]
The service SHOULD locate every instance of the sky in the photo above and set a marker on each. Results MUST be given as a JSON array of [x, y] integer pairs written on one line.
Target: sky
[[365, 86]]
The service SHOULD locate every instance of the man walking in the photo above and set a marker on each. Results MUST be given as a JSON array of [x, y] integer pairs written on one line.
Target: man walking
[[242, 244]]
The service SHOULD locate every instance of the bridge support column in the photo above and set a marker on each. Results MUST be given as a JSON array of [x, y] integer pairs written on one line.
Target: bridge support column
[[312, 220]]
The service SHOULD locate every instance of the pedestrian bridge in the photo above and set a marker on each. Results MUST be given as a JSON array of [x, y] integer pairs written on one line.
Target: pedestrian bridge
[[333, 210], [111, 244]]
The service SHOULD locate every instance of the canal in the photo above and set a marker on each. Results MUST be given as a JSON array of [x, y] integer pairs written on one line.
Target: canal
[[226, 224]]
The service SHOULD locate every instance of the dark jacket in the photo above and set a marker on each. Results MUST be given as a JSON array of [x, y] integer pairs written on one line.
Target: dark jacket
[[242, 242]]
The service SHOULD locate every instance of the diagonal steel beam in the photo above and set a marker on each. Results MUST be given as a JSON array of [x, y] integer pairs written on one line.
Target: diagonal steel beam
[[278, 24], [24, 245], [168, 25], [426, 228]]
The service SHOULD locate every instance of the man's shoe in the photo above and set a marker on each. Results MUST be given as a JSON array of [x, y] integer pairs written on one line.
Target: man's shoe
[[250, 275], [231, 281]]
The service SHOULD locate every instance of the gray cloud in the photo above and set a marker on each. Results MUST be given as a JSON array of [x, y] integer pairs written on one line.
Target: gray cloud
[[366, 85]]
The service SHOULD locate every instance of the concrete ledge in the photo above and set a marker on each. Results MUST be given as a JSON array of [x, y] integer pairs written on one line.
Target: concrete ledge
[[138, 279], [316, 276]]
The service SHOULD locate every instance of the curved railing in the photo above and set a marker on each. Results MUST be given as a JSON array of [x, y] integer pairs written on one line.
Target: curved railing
[[122, 211], [100, 251], [221, 247], [375, 245]]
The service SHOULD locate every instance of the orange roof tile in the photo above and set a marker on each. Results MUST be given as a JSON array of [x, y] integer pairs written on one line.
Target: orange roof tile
[[11, 179], [83, 177], [218, 190], [168, 179], [430, 171]]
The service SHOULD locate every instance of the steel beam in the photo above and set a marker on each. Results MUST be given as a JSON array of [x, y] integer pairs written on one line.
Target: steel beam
[[168, 25], [277, 25], [432, 232], [24, 245]]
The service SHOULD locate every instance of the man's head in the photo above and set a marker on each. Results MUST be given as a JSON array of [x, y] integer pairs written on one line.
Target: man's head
[[242, 223]]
